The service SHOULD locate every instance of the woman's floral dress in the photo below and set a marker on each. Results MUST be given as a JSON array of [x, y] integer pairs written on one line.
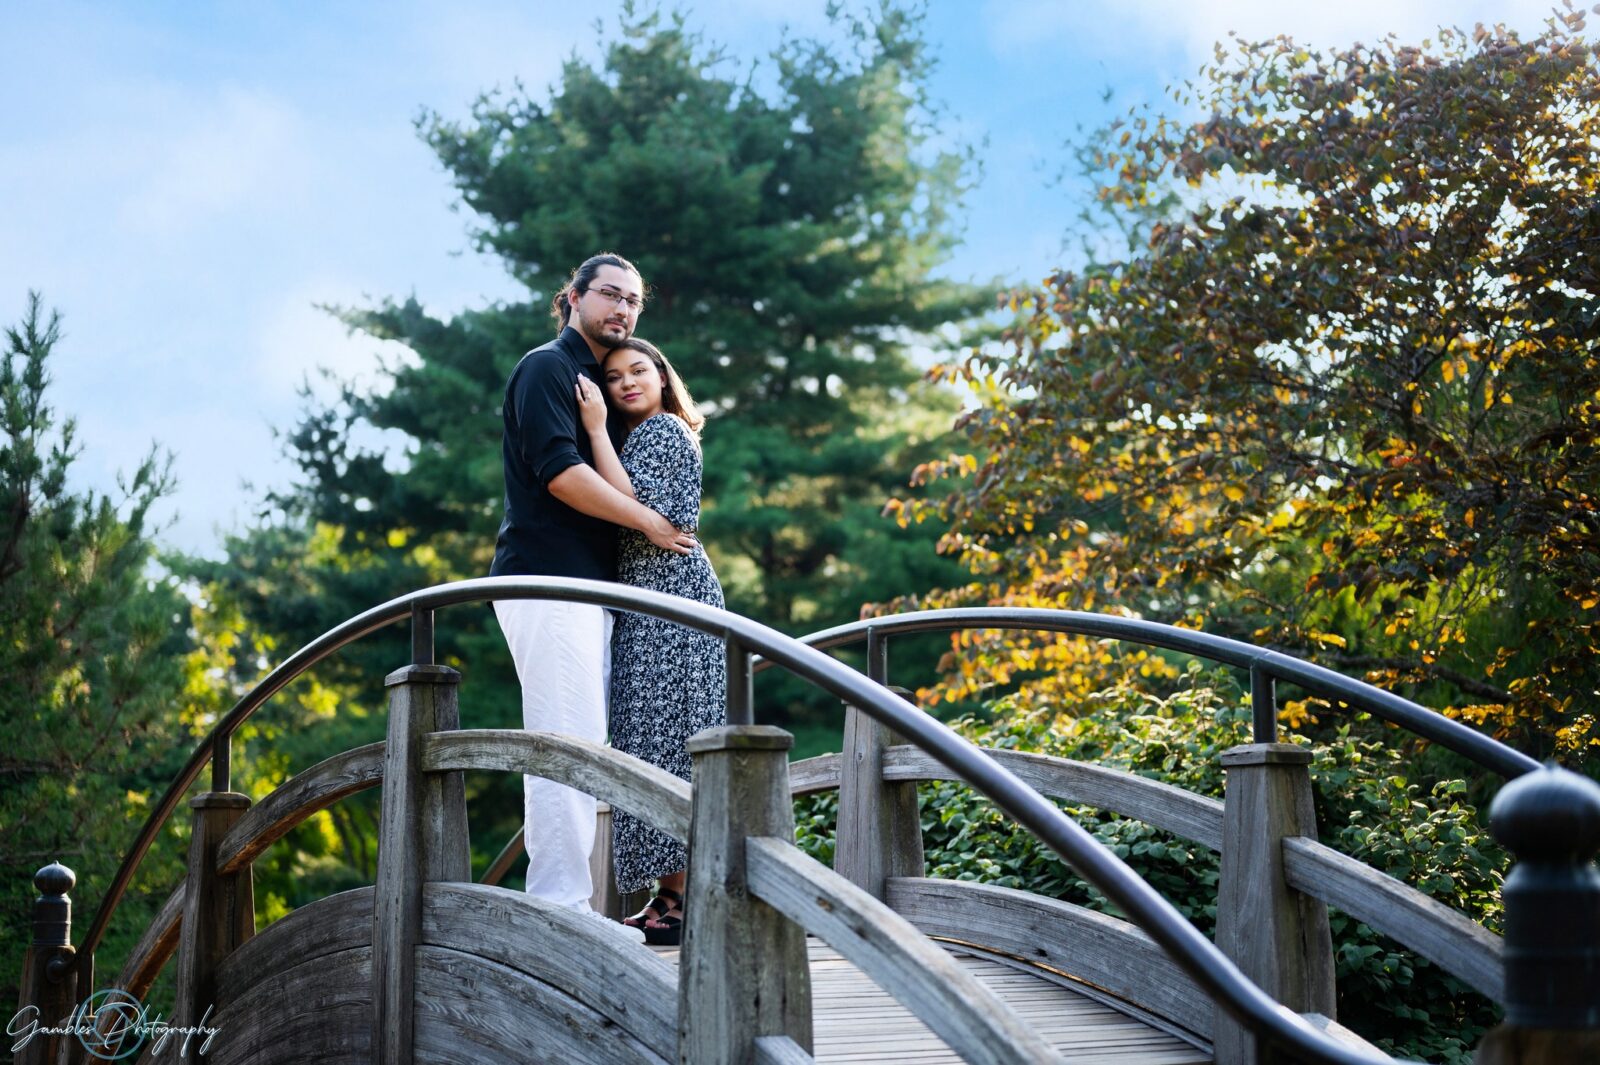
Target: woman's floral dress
[[667, 681]]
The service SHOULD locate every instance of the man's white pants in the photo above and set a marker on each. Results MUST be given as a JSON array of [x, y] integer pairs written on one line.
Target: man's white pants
[[563, 656]]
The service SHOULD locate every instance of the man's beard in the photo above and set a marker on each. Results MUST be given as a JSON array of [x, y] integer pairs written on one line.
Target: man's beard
[[595, 330]]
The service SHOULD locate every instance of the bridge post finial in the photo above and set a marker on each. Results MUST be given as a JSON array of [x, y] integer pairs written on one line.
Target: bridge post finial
[[49, 979], [743, 972], [1549, 819]]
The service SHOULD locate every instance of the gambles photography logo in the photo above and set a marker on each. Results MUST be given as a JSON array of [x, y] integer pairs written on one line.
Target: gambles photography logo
[[112, 1025]]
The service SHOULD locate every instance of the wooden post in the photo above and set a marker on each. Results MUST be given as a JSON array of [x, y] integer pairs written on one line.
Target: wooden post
[[743, 970], [49, 980], [602, 874], [880, 831], [1278, 937], [219, 913], [422, 837], [1550, 819]]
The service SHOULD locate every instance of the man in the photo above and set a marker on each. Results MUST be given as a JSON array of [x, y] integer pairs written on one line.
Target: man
[[561, 520]]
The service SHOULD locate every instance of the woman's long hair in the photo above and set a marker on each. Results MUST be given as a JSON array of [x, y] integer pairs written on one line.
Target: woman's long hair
[[675, 397]]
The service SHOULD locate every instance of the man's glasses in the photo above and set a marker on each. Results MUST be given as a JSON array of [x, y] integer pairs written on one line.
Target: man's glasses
[[616, 296]]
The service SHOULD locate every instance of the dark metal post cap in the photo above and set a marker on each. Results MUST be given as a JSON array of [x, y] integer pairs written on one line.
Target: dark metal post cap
[[54, 879], [1548, 815]]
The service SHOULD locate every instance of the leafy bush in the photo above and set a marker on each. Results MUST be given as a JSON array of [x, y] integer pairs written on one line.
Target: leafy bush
[[1371, 803]]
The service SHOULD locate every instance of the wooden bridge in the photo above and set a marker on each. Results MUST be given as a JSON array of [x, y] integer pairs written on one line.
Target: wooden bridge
[[785, 960]]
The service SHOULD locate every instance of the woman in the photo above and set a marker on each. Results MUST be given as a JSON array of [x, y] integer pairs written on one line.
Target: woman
[[667, 681]]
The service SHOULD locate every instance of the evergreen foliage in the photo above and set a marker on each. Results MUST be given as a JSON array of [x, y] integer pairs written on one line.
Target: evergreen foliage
[[106, 688], [787, 234]]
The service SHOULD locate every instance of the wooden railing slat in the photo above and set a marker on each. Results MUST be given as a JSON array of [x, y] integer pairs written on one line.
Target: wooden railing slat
[[295, 800], [1101, 950], [1172, 809], [919, 974], [155, 947], [650, 793], [781, 1050], [1449, 939], [820, 773]]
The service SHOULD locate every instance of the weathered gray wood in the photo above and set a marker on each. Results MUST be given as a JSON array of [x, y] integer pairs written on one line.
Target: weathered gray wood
[[1122, 1007], [879, 832], [1454, 942], [602, 873], [319, 1010], [781, 1050], [1098, 949], [422, 837], [471, 1010], [815, 774], [652, 794], [885, 946], [625, 983], [159, 942], [1277, 936], [295, 800], [742, 968], [857, 1021], [1334, 1030], [1171, 809], [218, 911], [338, 923]]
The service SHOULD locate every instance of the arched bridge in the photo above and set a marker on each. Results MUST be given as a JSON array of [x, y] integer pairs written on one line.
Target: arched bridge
[[785, 960]]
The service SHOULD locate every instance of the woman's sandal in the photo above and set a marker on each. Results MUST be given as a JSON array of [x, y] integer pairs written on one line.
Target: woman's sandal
[[657, 908], [664, 932]]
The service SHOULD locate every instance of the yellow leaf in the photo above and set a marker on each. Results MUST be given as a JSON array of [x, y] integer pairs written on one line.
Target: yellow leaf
[[1328, 639], [1233, 492]]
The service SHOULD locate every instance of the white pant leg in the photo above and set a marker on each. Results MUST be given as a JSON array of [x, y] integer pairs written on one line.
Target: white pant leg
[[562, 653]]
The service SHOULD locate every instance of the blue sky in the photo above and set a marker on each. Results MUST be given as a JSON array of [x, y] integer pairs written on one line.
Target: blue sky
[[187, 182]]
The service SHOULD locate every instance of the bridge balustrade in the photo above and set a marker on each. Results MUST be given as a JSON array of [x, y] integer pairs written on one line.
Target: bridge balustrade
[[389, 968]]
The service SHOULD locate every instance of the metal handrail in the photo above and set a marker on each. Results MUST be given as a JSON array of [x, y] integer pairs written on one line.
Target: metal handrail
[[1430, 724], [1188, 948]]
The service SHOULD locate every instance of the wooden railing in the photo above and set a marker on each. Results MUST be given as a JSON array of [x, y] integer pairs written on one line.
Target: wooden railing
[[741, 989]]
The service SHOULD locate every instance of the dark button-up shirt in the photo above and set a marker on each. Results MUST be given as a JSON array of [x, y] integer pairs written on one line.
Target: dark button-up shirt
[[540, 535]]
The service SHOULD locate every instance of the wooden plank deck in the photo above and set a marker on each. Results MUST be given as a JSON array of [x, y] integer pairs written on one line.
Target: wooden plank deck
[[856, 1022]]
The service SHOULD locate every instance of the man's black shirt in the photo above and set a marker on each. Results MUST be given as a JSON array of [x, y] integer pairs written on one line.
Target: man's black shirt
[[540, 535]]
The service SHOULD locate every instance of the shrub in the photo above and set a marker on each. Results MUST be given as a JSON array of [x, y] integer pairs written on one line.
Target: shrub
[[1373, 802]]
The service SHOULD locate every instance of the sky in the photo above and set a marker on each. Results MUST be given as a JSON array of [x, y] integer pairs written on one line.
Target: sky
[[190, 184]]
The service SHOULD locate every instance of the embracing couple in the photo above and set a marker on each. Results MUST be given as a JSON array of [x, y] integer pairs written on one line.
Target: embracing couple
[[602, 472]]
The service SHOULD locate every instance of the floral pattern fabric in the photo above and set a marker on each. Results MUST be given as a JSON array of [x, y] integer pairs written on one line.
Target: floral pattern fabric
[[667, 681]]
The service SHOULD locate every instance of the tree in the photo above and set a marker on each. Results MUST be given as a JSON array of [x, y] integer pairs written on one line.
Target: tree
[[1344, 400], [788, 240], [104, 686], [788, 237]]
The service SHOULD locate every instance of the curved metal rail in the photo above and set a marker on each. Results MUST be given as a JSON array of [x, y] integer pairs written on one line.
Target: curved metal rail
[[1265, 668], [1195, 954]]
